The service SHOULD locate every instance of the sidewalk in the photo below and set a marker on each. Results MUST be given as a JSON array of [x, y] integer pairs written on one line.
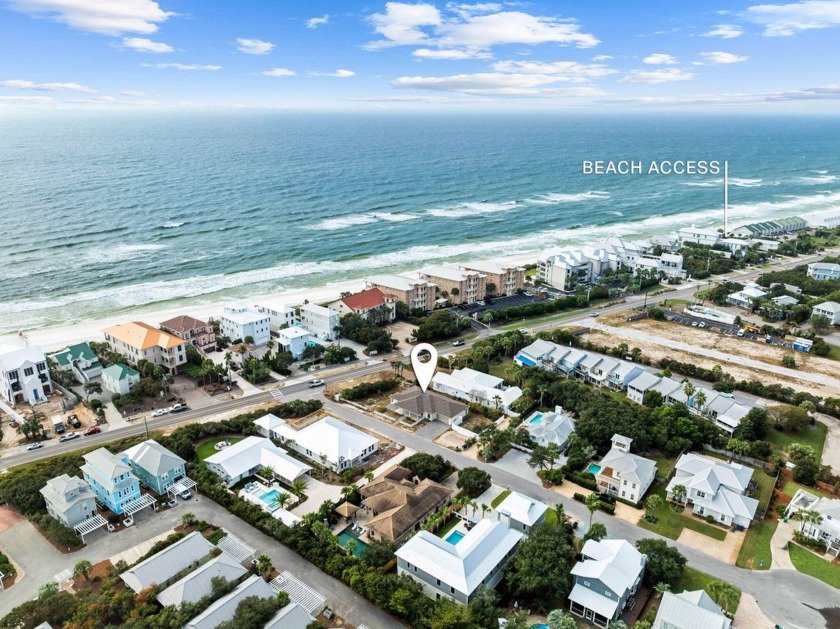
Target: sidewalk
[[778, 546]]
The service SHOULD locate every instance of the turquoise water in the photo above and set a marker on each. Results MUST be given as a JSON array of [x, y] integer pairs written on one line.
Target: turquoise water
[[454, 537], [269, 497], [166, 209], [539, 626], [593, 468], [346, 535], [536, 419]]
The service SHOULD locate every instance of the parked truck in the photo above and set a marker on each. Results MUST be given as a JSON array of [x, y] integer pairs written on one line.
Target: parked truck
[[58, 424]]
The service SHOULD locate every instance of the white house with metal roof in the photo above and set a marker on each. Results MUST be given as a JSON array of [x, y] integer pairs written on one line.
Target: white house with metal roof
[[328, 441], [199, 583], [826, 527], [541, 353], [624, 474], [608, 575], [292, 616], [822, 271], [716, 488], [161, 567], [830, 309], [456, 570], [689, 610], [247, 457], [475, 386], [293, 340], [69, 500], [640, 385], [520, 512], [744, 298], [550, 427], [238, 321], [224, 609], [24, 376], [155, 466]]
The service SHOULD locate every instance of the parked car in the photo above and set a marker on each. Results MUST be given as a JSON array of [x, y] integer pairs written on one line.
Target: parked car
[[740, 333], [68, 437], [177, 408], [606, 498], [457, 343], [701, 325], [480, 303], [34, 446], [316, 383], [185, 495], [160, 412], [93, 430], [73, 420], [694, 324], [594, 314]]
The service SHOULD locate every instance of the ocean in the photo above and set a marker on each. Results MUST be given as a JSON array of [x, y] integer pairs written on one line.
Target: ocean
[[105, 212]]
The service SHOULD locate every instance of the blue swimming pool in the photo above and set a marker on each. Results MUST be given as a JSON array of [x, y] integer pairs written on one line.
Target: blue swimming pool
[[348, 535], [536, 419], [269, 497], [454, 537], [593, 468]]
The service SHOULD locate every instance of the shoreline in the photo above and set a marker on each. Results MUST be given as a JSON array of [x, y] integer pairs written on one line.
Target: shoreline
[[58, 337]]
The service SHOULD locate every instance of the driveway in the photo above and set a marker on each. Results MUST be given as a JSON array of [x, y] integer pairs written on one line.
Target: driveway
[[515, 462], [317, 492], [831, 449]]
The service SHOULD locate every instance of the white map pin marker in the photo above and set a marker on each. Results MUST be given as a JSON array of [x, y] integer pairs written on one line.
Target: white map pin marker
[[424, 371]]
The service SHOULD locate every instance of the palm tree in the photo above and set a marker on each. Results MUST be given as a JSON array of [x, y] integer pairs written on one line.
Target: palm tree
[[264, 566], [348, 491], [368, 477], [299, 486], [592, 503], [689, 389], [484, 509], [189, 519], [542, 389], [807, 517], [497, 401], [679, 492], [267, 473], [661, 588], [82, 567], [722, 593], [618, 624], [653, 502], [700, 401], [279, 501]]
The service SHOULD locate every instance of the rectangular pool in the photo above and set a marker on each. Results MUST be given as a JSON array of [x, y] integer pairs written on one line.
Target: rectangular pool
[[536, 419], [348, 535], [454, 537], [270, 496], [593, 468]]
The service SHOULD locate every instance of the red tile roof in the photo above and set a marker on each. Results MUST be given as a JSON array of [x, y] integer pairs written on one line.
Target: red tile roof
[[183, 323], [366, 300]]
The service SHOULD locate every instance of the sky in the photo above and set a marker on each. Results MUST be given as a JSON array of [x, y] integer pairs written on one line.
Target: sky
[[310, 55]]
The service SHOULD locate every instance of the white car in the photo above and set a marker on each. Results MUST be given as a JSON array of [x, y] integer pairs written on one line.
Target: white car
[[594, 314], [34, 446], [701, 325], [316, 383], [160, 412]]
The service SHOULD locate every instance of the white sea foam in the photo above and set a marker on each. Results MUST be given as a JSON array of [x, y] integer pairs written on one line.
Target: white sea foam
[[553, 198], [342, 222], [617, 213], [172, 225], [733, 181], [122, 252], [821, 178], [471, 209]]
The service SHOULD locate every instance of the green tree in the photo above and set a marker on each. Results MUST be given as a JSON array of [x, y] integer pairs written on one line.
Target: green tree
[[252, 612], [592, 504], [82, 567], [722, 593], [820, 323], [664, 564], [473, 481], [484, 607], [653, 502], [789, 361], [299, 486], [679, 493], [596, 531], [91, 388], [559, 619], [540, 570], [447, 614], [264, 565]]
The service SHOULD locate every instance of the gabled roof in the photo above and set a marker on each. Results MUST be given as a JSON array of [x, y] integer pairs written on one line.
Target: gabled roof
[[269, 421], [13, 356], [79, 351], [416, 402], [292, 616], [104, 466], [614, 562], [119, 372], [198, 583], [367, 299], [224, 608], [828, 306], [247, 454], [167, 563], [522, 508], [154, 458], [553, 427], [629, 466], [142, 336], [689, 610], [723, 483], [183, 324], [56, 491], [334, 439], [466, 564], [644, 381]]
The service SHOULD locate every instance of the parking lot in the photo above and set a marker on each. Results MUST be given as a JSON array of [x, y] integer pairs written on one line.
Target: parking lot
[[724, 328], [496, 303]]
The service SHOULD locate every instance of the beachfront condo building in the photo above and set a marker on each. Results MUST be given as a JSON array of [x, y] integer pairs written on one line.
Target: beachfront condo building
[[462, 287], [412, 291], [373, 304], [139, 341], [699, 235], [238, 322], [24, 376], [320, 321], [195, 331], [279, 316], [506, 279]]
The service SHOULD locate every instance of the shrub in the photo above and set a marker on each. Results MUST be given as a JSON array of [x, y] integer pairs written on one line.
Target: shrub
[[428, 466], [473, 481], [579, 497], [555, 476], [710, 519], [606, 508], [368, 389]]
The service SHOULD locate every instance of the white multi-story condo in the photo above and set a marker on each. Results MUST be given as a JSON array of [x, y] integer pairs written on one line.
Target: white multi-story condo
[[139, 341], [24, 375], [699, 235], [319, 321], [238, 322], [412, 291], [279, 316]]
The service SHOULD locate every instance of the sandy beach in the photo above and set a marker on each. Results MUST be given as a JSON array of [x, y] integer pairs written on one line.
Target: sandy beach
[[58, 337]]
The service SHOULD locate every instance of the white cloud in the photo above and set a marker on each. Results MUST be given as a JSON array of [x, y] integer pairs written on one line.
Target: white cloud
[[132, 93], [143, 44], [451, 54], [495, 83], [338, 74], [315, 22], [471, 28], [110, 17], [784, 20], [180, 66], [20, 84], [725, 31], [829, 92], [602, 57], [406, 98], [657, 76], [660, 59], [253, 46], [569, 71], [722, 57], [27, 100], [279, 72]]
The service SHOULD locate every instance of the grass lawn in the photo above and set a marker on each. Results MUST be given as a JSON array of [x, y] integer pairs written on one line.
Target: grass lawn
[[206, 449], [500, 369], [756, 546], [813, 436], [791, 488], [498, 499], [764, 493], [663, 463], [808, 563], [695, 580], [193, 370], [453, 522], [671, 523], [551, 516]]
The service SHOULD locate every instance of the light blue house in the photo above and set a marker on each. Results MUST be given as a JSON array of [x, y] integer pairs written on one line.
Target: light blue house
[[110, 479], [155, 466]]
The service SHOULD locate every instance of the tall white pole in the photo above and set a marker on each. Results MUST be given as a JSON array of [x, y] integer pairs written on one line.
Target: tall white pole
[[726, 199]]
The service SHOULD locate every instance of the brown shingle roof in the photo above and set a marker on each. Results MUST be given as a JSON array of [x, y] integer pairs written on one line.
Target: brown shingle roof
[[416, 402], [182, 324], [399, 503]]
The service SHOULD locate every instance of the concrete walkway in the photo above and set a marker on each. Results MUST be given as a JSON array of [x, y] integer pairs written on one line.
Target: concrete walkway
[[749, 615], [778, 546]]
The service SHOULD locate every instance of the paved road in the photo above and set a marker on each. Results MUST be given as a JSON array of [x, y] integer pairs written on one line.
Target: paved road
[[789, 598]]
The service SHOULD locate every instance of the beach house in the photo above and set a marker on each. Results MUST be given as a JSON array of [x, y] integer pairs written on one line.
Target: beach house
[[239, 322], [475, 386], [245, 458], [329, 442], [195, 331], [372, 304], [715, 488], [80, 361], [745, 297], [830, 309], [462, 286], [699, 235], [540, 353], [279, 316], [507, 279], [417, 405], [824, 271], [551, 427], [293, 340], [197, 584], [139, 341], [162, 568], [156, 467], [119, 378], [604, 580], [24, 375], [820, 519], [223, 610], [111, 479], [689, 610], [454, 569], [776, 227], [640, 385], [412, 291], [321, 322], [521, 513], [624, 474], [69, 500]]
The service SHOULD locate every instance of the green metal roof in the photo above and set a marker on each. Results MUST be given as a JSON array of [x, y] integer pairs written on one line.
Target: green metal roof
[[80, 351], [120, 372]]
